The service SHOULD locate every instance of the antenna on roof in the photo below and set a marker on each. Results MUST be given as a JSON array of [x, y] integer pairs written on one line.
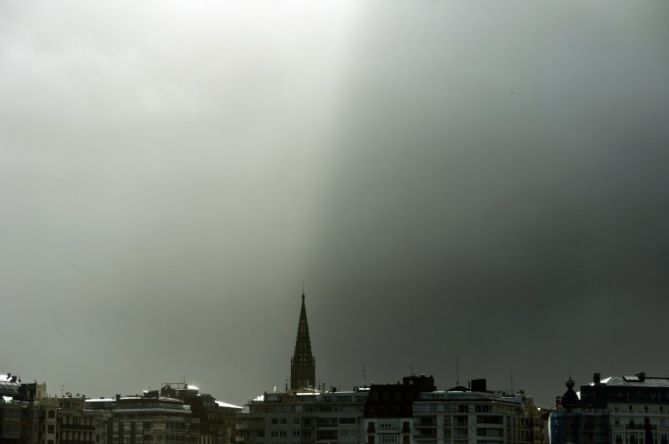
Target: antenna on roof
[[364, 374], [457, 371], [511, 378]]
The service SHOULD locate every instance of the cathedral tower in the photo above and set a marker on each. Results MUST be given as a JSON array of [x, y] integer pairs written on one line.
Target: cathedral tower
[[302, 364]]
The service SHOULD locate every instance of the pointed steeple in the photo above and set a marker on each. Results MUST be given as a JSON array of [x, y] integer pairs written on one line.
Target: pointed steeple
[[302, 364]]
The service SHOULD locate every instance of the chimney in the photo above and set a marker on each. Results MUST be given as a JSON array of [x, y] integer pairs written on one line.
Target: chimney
[[596, 378], [118, 397], [641, 376], [478, 385]]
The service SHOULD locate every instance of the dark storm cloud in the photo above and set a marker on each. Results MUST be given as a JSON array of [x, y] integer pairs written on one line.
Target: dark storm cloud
[[449, 179], [502, 196]]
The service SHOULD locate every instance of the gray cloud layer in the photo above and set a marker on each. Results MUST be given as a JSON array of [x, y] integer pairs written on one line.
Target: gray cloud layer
[[449, 179]]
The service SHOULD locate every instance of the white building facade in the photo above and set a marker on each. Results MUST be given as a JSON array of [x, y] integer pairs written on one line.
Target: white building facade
[[303, 418], [618, 409], [467, 417]]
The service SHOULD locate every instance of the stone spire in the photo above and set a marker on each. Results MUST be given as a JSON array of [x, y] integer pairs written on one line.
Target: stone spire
[[302, 364]]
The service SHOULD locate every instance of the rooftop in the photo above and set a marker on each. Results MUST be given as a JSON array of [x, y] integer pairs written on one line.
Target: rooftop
[[9, 384], [442, 395], [226, 405], [637, 380]]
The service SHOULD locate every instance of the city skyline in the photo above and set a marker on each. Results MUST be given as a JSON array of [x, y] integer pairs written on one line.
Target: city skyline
[[302, 371]]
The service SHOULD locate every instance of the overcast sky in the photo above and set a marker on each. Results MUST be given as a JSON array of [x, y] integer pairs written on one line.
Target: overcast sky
[[482, 180]]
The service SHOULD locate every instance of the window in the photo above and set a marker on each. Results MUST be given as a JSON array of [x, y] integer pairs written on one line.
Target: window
[[490, 432], [388, 425], [460, 421], [482, 409], [492, 419], [426, 420], [52, 414], [460, 433]]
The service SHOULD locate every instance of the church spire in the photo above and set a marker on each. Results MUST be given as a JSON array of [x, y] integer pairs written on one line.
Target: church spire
[[302, 364]]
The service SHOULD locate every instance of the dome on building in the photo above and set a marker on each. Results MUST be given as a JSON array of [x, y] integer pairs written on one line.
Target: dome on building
[[570, 399]]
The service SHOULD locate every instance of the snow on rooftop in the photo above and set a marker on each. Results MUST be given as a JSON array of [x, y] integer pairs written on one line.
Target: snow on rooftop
[[225, 404], [636, 381], [8, 378]]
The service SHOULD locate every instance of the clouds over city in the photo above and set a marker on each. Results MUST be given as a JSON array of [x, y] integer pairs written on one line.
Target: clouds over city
[[447, 179]]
